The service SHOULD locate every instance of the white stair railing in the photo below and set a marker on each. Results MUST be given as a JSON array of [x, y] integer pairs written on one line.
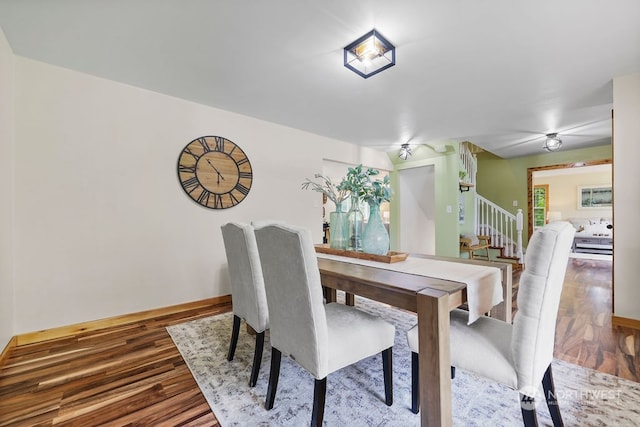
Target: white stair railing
[[503, 227], [468, 164]]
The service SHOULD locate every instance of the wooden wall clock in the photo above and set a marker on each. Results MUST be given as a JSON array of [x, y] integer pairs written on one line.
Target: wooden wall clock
[[215, 172]]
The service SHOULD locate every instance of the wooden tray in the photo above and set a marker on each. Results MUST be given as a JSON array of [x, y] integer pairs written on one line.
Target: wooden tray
[[389, 258]]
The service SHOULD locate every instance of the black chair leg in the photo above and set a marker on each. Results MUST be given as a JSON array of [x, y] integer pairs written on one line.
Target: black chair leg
[[234, 337], [528, 408], [387, 370], [319, 395], [415, 384], [257, 359], [550, 395], [276, 356]]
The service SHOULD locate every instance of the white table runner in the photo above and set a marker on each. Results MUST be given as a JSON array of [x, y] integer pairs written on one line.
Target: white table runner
[[484, 284]]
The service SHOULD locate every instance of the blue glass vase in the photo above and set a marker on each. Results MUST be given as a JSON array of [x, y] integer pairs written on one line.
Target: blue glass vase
[[338, 228], [356, 222], [375, 239]]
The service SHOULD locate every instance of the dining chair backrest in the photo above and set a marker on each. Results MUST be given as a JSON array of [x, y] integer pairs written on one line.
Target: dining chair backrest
[[247, 283], [539, 292], [259, 223], [298, 325]]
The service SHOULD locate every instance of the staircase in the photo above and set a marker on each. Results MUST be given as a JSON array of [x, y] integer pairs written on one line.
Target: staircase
[[503, 228]]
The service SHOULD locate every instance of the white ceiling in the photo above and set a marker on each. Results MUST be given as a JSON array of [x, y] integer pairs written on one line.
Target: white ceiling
[[499, 73]]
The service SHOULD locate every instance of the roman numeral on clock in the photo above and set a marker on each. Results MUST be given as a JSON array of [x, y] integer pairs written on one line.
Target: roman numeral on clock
[[241, 188], [187, 169], [188, 151], [219, 144], [217, 201], [191, 184], [203, 198], [205, 145], [242, 161]]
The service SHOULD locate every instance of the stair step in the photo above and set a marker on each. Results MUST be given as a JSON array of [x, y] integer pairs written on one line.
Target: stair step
[[511, 260], [514, 258]]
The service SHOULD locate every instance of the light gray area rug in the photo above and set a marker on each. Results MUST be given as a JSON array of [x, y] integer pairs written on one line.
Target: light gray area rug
[[355, 395]]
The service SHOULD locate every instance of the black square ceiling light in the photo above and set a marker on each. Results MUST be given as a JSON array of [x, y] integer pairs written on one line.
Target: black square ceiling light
[[369, 55]]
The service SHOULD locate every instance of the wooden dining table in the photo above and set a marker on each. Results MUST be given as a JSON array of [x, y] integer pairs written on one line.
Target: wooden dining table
[[432, 299]]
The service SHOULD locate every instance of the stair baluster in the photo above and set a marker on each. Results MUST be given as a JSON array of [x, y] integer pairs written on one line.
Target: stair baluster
[[504, 228]]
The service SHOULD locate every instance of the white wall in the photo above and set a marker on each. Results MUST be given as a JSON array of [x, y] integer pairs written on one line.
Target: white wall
[[626, 176], [417, 210], [102, 225], [563, 189], [7, 311]]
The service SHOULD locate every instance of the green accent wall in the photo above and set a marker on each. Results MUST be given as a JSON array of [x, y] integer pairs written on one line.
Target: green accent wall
[[504, 180]]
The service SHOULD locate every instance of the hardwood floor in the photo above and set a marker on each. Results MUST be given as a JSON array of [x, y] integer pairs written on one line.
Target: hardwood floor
[[133, 375], [584, 334]]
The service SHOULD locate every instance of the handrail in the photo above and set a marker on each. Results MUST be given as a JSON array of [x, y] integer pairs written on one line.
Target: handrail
[[504, 228]]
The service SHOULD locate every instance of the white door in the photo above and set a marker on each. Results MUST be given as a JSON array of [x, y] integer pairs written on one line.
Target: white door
[[417, 210]]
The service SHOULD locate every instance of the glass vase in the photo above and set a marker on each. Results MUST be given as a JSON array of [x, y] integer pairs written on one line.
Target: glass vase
[[356, 221], [338, 229], [375, 239]]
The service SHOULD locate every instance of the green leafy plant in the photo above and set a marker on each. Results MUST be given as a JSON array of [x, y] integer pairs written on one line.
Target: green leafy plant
[[357, 183], [377, 191], [356, 180], [328, 188]]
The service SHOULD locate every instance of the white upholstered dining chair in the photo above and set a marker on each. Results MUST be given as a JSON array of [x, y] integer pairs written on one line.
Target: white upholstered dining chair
[[247, 289], [322, 338], [518, 355]]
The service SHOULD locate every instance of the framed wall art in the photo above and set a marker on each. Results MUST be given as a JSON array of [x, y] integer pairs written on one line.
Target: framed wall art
[[595, 197]]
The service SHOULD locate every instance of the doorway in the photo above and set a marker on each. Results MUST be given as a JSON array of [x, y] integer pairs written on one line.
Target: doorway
[[559, 168], [417, 210]]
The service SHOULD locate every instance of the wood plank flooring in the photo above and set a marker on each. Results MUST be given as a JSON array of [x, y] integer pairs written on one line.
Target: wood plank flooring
[[584, 334], [133, 375]]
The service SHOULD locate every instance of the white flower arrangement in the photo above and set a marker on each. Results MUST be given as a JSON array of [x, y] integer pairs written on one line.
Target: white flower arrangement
[[328, 188]]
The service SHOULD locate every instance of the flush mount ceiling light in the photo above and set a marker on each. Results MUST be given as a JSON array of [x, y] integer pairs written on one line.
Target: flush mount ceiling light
[[553, 143], [405, 151], [369, 55]]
